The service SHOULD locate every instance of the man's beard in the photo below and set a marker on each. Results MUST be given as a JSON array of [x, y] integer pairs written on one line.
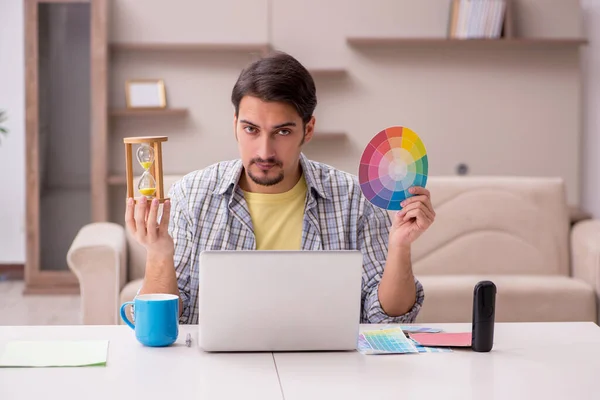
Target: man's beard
[[265, 180]]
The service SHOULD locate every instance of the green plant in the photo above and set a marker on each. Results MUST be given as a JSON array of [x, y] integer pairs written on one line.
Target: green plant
[[3, 118]]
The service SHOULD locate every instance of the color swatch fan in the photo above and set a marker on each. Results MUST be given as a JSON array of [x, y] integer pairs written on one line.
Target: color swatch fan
[[393, 161]]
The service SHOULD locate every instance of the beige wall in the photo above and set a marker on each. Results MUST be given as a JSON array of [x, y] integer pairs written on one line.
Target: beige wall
[[321, 44], [189, 21], [500, 111]]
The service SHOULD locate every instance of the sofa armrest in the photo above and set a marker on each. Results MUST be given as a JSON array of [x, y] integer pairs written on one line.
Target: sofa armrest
[[585, 254], [98, 257]]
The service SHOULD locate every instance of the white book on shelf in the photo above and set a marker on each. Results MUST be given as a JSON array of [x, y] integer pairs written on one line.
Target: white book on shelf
[[474, 19], [481, 18], [491, 19], [498, 21], [471, 11], [462, 19], [487, 25], [478, 24], [484, 18], [477, 19]]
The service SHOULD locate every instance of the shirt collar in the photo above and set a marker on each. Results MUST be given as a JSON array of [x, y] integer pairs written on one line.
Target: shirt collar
[[232, 175], [312, 176]]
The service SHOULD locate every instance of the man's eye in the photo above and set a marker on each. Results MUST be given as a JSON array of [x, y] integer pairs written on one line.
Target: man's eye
[[250, 129], [284, 132]]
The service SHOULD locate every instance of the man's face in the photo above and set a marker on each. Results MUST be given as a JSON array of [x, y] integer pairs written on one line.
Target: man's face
[[270, 136]]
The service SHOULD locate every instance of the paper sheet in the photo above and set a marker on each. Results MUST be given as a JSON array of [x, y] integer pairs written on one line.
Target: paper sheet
[[462, 339], [55, 353]]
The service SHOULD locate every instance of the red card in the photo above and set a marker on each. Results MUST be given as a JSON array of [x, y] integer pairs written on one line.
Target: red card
[[443, 339]]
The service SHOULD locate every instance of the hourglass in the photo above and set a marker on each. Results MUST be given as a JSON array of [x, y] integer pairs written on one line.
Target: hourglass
[[149, 156]]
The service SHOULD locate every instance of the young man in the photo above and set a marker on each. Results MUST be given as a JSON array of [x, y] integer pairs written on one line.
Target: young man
[[275, 198]]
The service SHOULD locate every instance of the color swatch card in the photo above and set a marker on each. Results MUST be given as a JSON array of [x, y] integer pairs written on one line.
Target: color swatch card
[[427, 349], [419, 329], [385, 341], [393, 161]]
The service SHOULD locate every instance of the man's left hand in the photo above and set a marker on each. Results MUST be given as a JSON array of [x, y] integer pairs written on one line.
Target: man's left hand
[[415, 217]]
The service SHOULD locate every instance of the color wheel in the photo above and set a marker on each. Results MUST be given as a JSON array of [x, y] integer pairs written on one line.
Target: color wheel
[[393, 161]]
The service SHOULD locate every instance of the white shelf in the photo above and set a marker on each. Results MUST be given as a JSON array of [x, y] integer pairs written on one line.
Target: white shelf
[[464, 43], [191, 47]]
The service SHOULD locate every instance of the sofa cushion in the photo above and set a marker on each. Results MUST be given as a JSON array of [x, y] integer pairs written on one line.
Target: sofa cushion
[[519, 298], [495, 225]]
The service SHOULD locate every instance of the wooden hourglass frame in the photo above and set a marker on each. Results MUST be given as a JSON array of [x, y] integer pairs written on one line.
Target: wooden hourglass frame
[[152, 167]]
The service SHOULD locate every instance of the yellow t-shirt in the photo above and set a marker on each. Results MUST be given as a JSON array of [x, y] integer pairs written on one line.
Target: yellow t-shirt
[[277, 218]]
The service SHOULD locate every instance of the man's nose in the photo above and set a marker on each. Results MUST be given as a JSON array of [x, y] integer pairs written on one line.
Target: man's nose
[[266, 149]]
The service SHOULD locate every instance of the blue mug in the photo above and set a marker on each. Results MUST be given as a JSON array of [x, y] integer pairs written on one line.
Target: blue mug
[[156, 318]]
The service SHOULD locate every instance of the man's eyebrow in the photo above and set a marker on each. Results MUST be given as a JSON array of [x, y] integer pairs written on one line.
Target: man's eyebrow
[[291, 123], [245, 121], [285, 124]]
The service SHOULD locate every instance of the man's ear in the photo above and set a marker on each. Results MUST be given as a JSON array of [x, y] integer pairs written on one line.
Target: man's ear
[[309, 130]]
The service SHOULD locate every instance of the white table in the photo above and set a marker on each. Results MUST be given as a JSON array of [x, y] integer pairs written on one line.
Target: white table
[[529, 360], [137, 372]]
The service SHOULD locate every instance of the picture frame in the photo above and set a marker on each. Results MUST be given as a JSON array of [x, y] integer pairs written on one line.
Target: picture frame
[[147, 94]]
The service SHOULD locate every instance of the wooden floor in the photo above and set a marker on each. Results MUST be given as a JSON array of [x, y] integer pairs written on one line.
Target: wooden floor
[[17, 309]]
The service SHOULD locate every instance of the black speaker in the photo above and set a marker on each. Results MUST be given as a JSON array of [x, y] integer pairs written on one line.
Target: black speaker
[[484, 311]]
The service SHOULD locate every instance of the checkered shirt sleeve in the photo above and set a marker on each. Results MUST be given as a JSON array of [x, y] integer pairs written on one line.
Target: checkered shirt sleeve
[[181, 229]]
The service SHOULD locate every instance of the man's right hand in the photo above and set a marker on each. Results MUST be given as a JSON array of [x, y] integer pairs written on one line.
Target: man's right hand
[[142, 221]]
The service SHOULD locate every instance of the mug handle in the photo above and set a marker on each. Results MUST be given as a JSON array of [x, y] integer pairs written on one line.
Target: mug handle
[[124, 316]]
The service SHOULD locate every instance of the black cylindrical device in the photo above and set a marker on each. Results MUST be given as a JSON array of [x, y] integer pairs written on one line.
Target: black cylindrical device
[[484, 311]]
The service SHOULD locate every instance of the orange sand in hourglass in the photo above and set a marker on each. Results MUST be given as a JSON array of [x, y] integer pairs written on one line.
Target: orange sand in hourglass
[[149, 156], [145, 156], [148, 192]]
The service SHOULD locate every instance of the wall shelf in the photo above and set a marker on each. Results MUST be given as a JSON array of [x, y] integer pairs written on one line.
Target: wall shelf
[[161, 112], [464, 43], [192, 47]]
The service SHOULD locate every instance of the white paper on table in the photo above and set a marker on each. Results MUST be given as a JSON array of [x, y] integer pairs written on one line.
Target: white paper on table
[[54, 353]]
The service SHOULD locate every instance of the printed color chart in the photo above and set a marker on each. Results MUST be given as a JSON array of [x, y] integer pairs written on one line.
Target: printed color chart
[[393, 161], [385, 341]]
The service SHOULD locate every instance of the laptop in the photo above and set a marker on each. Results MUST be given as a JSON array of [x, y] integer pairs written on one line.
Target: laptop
[[253, 300]]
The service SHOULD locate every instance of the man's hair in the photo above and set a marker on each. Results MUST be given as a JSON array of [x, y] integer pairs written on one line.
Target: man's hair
[[277, 77]]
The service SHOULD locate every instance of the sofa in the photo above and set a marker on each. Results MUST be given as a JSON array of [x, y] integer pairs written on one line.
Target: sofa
[[514, 231]]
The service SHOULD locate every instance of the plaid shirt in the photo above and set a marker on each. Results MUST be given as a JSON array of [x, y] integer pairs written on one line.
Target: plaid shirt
[[209, 212]]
